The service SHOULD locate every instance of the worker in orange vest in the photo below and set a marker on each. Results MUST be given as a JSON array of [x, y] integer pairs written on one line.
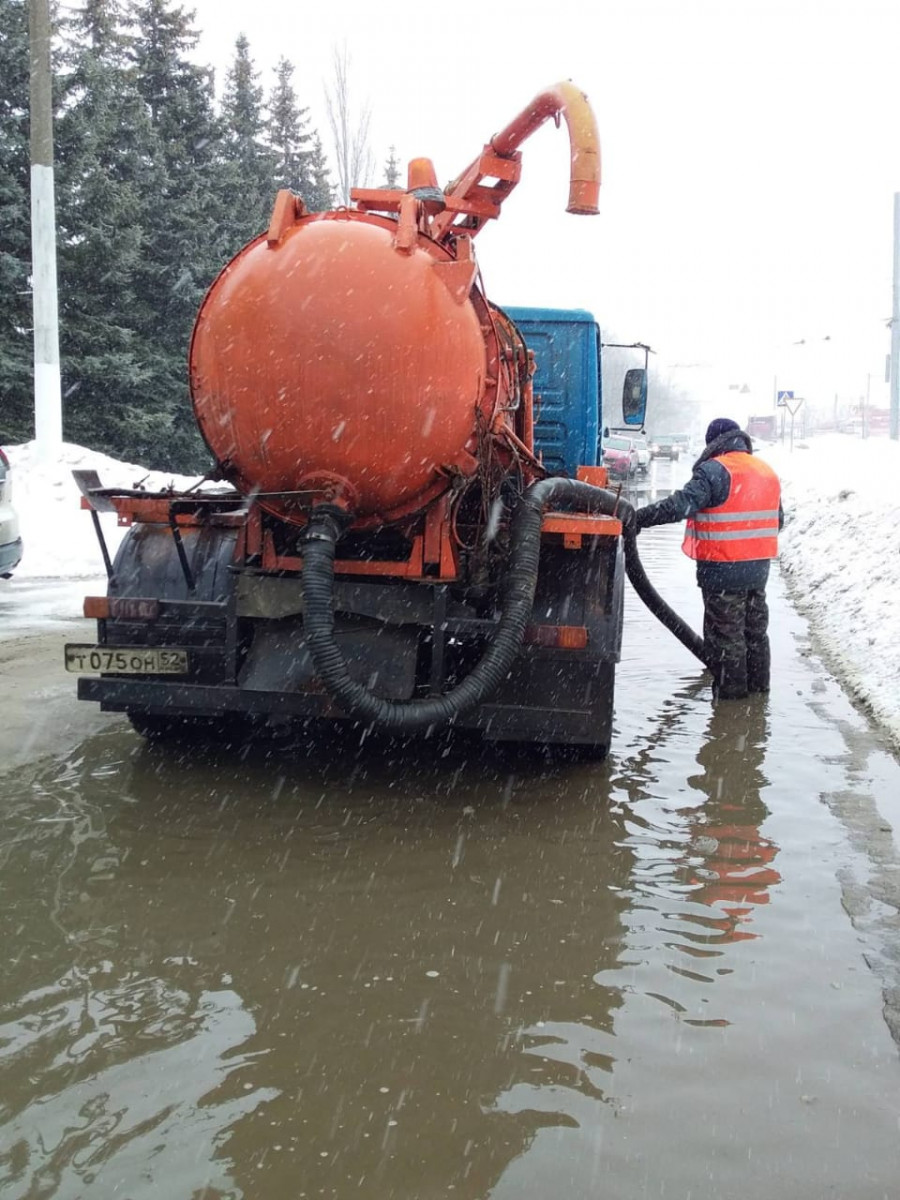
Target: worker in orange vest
[[732, 503]]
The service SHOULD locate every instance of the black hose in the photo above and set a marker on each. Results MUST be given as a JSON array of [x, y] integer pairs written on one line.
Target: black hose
[[637, 576], [321, 537], [323, 532]]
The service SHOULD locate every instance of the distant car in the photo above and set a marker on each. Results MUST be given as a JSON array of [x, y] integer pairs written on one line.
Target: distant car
[[643, 450], [620, 456], [640, 444], [763, 428], [10, 541], [670, 445]]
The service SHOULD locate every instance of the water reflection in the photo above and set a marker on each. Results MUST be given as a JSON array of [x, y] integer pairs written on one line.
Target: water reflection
[[291, 975], [118, 1066], [701, 865], [729, 859], [433, 971]]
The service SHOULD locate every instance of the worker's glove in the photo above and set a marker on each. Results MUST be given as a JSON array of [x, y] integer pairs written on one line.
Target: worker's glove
[[640, 518]]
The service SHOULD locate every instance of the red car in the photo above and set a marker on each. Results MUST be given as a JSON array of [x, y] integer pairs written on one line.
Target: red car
[[620, 457]]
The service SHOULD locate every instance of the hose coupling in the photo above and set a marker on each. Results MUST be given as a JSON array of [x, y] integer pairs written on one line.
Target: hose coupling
[[327, 523]]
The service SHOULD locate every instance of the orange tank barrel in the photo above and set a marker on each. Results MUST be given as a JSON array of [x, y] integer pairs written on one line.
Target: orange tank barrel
[[327, 364]]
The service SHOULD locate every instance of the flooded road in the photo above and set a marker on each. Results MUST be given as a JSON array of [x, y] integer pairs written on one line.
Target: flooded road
[[443, 971]]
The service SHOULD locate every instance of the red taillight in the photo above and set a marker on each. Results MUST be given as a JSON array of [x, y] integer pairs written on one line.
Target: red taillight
[[3, 459], [122, 608], [556, 637], [96, 608], [133, 608]]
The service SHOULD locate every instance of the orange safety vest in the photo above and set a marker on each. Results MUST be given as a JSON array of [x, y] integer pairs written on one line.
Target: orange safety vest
[[744, 527]]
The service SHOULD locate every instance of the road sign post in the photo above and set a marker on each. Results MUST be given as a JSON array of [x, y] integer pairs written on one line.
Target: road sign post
[[793, 406], [781, 401]]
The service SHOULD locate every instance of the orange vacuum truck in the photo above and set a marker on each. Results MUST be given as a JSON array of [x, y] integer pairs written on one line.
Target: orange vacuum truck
[[412, 530]]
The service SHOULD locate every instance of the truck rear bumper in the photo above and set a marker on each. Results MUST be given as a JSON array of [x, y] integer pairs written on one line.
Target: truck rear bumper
[[496, 722]]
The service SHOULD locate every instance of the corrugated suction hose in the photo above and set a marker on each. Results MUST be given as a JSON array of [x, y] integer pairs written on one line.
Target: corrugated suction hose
[[322, 534]]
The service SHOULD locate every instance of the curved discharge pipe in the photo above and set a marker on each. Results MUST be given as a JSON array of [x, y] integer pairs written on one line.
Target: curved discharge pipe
[[584, 148], [321, 537], [584, 140]]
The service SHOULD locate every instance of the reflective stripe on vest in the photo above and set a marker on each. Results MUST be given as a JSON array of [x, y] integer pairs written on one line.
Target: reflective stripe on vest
[[745, 527]]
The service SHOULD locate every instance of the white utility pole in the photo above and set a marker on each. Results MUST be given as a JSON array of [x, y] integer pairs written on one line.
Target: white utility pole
[[895, 328], [47, 389]]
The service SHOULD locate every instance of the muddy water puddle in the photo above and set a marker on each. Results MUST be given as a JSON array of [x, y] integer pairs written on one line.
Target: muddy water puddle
[[437, 971]]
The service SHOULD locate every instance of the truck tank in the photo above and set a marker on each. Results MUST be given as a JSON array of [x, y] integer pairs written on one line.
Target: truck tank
[[337, 361]]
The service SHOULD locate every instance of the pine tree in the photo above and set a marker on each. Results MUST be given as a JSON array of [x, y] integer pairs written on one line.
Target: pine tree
[[249, 163], [185, 239], [288, 135], [16, 403], [104, 142], [321, 193], [392, 169]]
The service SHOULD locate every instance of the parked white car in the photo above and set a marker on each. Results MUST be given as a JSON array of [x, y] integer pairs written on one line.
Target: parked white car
[[10, 541], [643, 452]]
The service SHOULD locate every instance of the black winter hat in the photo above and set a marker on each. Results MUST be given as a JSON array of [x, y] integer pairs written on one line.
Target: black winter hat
[[719, 426]]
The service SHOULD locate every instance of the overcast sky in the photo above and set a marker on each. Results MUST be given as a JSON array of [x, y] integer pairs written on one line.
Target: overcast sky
[[751, 150]]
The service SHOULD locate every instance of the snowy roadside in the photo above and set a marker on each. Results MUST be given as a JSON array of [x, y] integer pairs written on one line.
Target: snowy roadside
[[840, 548], [58, 535], [840, 551]]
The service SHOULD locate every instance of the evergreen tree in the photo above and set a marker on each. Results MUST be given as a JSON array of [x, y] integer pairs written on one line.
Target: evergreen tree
[[249, 163], [392, 169], [16, 403], [321, 193], [185, 239], [288, 135], [104, 145]]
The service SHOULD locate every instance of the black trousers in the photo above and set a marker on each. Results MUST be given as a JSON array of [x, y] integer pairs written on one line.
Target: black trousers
[[735, 636]]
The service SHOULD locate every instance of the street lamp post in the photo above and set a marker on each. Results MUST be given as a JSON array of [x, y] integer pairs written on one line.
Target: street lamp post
[[47, 389], [895, 328]]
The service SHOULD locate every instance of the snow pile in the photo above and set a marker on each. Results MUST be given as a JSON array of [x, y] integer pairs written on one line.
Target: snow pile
[[57, 534], [840, 551], [840, 548]]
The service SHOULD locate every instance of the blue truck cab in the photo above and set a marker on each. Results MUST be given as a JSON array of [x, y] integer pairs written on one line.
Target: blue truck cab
[[567, 385]]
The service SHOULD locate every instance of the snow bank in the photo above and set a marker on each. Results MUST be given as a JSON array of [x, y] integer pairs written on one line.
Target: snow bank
[[57, 534], [840, 551], [840, 548]]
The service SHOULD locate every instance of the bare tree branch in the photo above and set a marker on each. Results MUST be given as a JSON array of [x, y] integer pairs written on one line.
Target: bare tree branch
[[349, 128]]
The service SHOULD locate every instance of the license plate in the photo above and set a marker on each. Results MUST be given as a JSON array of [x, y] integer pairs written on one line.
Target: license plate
[[126, 660]]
